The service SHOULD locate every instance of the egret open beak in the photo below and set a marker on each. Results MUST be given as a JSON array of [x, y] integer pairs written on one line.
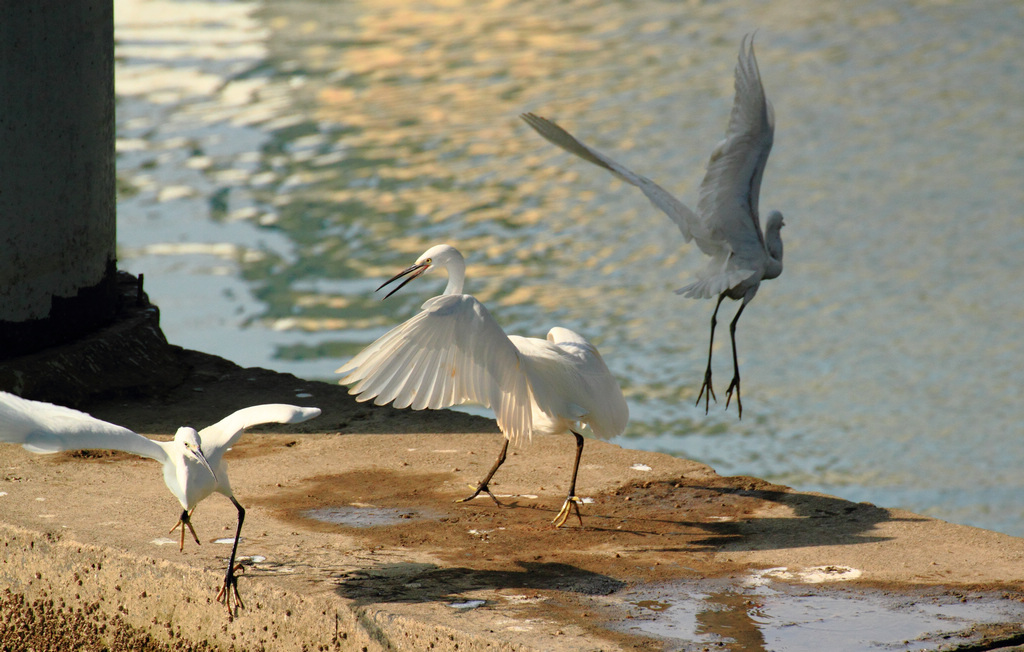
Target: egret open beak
[[414, 271]]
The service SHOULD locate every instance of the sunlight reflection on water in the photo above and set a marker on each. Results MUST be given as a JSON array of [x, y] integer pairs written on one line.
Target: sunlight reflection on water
[[277, 160]]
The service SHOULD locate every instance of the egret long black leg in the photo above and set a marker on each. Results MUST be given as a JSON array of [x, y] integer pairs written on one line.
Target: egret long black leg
[[230, 587], [571, 501], [735, 384], [490, 474], [707, 374], [184, 521]]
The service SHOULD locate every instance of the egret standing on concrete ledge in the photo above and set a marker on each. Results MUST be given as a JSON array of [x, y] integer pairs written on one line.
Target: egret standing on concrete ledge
[[726, 226], [194, 465], [454, 352]]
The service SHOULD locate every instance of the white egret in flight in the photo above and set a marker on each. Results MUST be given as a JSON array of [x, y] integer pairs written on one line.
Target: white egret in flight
[[454, 352], [726, 226], [194, 465]]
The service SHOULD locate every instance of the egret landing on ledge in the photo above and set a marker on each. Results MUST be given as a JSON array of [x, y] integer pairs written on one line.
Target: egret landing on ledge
[[726, 225]]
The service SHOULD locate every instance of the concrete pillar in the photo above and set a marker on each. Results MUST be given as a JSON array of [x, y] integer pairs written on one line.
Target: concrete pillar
[[57, 184]]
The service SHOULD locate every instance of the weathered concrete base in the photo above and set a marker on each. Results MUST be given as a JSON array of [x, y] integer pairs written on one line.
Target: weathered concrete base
[[166, 598], [129, 356], [401, 567], [162, 595]]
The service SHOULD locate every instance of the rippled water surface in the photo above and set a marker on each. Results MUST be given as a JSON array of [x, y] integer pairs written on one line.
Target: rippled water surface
[[279, 159]]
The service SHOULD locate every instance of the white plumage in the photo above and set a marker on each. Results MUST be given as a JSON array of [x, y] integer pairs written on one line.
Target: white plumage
[[193, 463], [726, 226], [453, 352]]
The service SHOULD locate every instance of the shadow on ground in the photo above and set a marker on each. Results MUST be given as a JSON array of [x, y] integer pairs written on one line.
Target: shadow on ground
[[412, 582]]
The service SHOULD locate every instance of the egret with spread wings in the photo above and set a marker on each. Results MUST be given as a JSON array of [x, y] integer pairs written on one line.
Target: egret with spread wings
[[194, 465], [454, 352], [726, 226]]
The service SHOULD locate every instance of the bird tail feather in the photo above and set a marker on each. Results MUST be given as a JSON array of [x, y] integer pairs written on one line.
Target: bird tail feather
[[713, 281]]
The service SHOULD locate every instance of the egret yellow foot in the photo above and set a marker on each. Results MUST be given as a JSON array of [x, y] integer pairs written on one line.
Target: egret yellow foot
[[185, 520], [571, 503], [231, 588]]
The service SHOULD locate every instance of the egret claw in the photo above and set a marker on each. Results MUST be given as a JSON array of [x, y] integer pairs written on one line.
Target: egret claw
[[735, 384], [571, 503], [182, 522], [707, 396], [229, 588], [483, 487]]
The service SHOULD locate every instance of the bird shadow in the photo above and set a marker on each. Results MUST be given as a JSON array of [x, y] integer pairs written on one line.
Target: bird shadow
[[739, 518], [226, 387], [424, 582]]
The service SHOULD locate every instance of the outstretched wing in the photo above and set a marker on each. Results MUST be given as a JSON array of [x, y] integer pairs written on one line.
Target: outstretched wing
[[730, 189], [683, 217], [219, 437], [450, 353], [48, 428]]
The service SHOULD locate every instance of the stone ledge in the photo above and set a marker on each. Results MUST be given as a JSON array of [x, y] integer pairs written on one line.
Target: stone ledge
[[433, 572]]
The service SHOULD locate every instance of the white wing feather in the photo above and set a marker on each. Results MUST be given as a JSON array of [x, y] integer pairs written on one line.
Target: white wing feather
[[726, 226], [574, 373], [687, 221], [47, 428], [450, 353], [729, 192], [221, 436], [716, 277]]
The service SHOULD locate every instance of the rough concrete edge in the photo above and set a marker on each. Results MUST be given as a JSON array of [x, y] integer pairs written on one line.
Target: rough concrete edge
[[162, 597], [171, 600]]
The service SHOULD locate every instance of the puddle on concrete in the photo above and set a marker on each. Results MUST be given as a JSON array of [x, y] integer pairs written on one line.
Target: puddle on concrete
[[251, 559], [760, 615], [229, 541], [364, 515]]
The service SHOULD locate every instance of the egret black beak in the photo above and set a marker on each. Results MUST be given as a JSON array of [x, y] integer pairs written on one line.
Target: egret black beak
[[198, 452], [413, 271]]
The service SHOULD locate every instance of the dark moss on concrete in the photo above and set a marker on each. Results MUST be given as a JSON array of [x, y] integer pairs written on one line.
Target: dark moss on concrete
[[48, 624]]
